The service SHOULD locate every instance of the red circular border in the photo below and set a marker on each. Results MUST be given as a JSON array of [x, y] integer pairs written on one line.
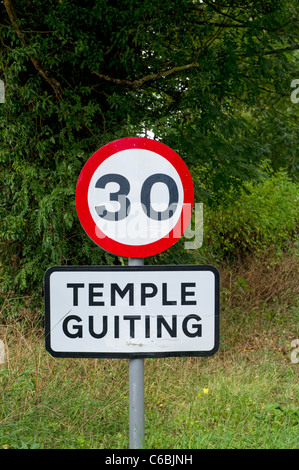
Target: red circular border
[[112, 246]]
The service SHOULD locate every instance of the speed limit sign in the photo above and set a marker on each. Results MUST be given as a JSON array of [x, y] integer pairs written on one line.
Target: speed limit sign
[[134, 197]]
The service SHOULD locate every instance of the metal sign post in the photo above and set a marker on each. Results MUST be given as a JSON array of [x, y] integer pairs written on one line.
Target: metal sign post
[[136, 392], [136, 403]]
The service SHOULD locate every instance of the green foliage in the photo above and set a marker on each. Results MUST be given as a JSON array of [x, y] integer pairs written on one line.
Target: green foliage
[[80, 74], [266, 215], [277, 134]]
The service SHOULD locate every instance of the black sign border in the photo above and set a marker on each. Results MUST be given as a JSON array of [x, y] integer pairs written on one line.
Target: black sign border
[[131, 355]]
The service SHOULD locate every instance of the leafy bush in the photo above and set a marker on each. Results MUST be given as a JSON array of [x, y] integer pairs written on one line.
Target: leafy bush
[[80, 74], [265, 215]]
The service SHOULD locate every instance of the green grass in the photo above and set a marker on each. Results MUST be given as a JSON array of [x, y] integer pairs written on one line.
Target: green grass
[[246, 396]]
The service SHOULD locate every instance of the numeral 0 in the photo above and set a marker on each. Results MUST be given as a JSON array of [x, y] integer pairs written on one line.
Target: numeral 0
[[145, 197]]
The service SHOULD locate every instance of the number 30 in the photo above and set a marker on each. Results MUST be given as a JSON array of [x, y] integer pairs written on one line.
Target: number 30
[[145, 197]]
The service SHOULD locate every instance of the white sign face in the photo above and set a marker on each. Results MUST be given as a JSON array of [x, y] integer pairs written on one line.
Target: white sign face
[[137, 220], [132, 311]]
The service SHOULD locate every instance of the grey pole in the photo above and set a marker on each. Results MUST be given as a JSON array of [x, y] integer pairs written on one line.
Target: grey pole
[[136, 392]]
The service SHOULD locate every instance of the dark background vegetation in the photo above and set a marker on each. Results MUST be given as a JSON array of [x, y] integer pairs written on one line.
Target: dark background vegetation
[[211, 79]]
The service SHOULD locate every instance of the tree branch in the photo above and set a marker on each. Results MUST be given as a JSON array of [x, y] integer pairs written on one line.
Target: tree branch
[[36, 62], [223, 25], [211, 5], [117, 81], [284, 49], [135, 84], [295, 47]]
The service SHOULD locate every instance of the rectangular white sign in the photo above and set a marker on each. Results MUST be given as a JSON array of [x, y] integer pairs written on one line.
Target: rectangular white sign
[[132, 311]]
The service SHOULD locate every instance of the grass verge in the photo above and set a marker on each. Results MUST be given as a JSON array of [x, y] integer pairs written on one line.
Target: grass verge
[[246, 396]]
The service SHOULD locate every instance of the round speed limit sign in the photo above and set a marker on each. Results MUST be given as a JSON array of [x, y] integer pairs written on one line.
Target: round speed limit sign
[[134, 197]]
